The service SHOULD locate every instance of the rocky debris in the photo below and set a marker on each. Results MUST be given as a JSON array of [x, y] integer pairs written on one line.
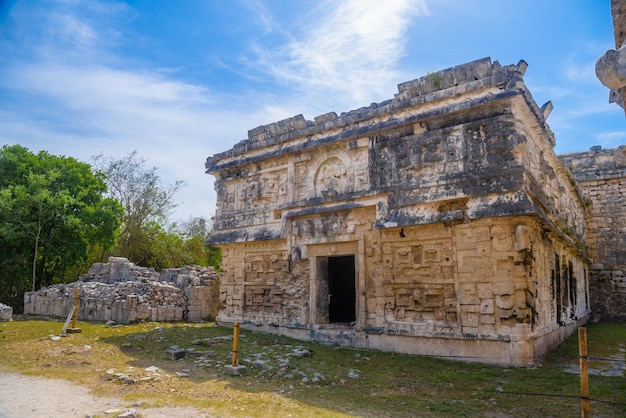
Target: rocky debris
[[274, 362], [235, 370], [318, 377], [176, 353], [132, 376], [300, 352], [121, 292], [283, 362], [6, 312], [123, 378], [209, 342], [261, 364]]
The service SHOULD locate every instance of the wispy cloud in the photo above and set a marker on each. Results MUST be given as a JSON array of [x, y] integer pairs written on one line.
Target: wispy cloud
[[350, 48], [88, 110], [74, 95], [611, 139], [580, 65]]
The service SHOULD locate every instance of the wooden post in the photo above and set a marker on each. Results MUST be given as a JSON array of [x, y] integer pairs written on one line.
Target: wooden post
[[584, 377], [235, 369], [75, 312], [67, 322], [235, 361]]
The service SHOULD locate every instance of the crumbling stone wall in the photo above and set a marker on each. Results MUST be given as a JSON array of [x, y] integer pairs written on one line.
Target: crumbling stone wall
[[123, 292], [601, 177], [442, 218], [6, 312]]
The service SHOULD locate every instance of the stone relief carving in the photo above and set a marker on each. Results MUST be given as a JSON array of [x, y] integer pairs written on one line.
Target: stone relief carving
[[420, 303], [259, 190], [331, 178], [330, 225]]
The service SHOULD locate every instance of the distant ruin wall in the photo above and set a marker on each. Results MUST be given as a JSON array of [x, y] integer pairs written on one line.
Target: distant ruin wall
[[123, 292], [608, 293], [600, 175]]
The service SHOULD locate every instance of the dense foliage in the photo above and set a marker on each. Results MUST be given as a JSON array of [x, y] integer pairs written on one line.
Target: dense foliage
[[53, 212], [58, 217], [160, 248]]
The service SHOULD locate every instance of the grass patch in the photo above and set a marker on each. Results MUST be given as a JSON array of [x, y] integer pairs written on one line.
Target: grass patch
[[286, 377]]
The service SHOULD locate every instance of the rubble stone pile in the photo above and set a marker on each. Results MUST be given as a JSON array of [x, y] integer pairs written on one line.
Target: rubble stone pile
[[122, 292]]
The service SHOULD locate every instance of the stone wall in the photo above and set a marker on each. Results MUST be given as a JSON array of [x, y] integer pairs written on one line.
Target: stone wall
[[123, 292], [608, 293], [6, 312], [601, 178], [438, 222]]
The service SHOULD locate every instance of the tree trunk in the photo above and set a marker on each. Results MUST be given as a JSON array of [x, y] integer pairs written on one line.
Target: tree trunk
[[37, 247]]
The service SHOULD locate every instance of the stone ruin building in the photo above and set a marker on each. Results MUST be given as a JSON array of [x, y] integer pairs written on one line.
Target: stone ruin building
[[122, 292], [439, 222], [600, 175]]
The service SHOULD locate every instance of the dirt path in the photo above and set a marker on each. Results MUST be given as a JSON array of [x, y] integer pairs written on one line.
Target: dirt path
[[36, 397]]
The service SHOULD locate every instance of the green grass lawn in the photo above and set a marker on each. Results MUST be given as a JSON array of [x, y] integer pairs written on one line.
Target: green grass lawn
[[286, 377]]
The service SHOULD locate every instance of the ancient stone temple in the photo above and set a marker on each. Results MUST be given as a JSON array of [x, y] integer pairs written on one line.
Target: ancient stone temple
[[438, 222]]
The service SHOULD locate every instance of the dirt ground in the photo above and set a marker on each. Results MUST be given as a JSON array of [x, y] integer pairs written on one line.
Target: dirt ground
[[36, 397]]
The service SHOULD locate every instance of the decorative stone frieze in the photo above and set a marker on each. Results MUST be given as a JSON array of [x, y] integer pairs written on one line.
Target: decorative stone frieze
[[438, 222]]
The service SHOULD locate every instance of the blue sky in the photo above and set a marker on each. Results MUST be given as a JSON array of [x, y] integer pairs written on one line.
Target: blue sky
[[179, 81]]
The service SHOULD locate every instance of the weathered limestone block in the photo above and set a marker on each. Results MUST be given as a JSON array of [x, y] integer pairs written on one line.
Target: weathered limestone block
[[176, 353], [6, 312]]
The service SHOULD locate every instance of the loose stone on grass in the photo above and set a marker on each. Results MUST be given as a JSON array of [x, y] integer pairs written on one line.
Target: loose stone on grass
[[235, 370], [175, 353]]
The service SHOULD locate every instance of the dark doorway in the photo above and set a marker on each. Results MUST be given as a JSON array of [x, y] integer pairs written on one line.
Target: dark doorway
[[341, 289]]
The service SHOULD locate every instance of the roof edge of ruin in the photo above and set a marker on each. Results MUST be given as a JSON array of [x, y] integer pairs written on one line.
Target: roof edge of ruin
[[430, 87]]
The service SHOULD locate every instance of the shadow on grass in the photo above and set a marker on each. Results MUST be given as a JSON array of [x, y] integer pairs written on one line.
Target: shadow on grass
[[285, 376]]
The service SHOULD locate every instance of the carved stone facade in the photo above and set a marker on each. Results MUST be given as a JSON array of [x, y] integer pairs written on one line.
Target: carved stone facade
[[439, 222]]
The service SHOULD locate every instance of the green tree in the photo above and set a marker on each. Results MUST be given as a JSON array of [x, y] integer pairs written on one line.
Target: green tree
[[197, 231], [166, 248], [52, 210], [145, 201]]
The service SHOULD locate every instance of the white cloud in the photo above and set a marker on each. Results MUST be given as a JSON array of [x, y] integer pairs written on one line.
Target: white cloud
[[263, 15], [92, 110], [611, 139], [75, 96], [350, 48], [75, 31]]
